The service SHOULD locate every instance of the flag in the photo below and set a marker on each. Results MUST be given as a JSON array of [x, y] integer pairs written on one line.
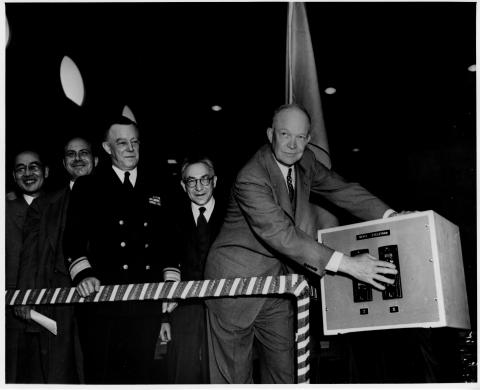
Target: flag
[[302, 88], [301, 78]]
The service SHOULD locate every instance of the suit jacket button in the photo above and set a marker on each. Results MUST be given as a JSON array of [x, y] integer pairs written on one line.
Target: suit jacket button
[[147, 266], [121, 222], [125, 266], [122, 244]]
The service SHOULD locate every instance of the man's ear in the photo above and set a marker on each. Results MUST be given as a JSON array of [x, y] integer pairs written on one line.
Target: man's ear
[[183, 185], [270, 134], [95, 161], [106, 147], [214, 181], [46, 172]]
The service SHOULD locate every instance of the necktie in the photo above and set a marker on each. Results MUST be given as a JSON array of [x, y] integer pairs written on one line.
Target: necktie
[[202, 231], [291, 191], [127, 184]]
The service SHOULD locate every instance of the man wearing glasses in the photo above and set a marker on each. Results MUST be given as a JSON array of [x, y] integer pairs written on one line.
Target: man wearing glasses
[[196, 226], [270, 229], [42, 265], [29, 174], [117, 233]]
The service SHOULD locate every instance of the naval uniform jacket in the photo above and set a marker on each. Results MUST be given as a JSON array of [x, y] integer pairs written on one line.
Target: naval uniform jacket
[[262, 235], [116, 236]]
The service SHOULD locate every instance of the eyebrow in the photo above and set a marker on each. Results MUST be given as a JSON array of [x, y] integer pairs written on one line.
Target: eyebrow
[[29, 164], [81, 150]]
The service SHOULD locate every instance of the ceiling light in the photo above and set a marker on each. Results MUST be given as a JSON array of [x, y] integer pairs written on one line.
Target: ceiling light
[[330, 91], [72, 82], [472, 68], [216, 108], [355, 150], [7, 32]]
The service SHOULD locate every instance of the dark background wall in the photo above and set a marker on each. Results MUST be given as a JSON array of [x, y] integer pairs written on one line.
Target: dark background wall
[[405, 97]]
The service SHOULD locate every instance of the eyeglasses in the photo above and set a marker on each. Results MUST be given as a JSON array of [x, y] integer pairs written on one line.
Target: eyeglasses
[[33, 168], [81, 154], [204, 181]]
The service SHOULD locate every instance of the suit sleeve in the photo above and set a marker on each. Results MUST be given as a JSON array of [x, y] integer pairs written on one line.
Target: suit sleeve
[[275, 228], [349, 196], [76, 239]]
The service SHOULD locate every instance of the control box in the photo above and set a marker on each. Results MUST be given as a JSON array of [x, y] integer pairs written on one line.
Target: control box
[[429, 290]]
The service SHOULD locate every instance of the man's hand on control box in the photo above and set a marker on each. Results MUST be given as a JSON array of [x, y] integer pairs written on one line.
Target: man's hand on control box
[[368, 269]]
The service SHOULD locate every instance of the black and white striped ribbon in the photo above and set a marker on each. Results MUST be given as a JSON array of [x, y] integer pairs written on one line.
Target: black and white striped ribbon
[[266, 285]]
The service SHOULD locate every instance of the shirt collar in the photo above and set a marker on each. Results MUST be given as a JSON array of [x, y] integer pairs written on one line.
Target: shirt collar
[[284, 169], [121, 174], [208, 209], [29, 199]]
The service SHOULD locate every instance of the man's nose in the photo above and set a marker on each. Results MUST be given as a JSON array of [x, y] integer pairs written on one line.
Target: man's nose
[[198, 185], [292, 143], [130, 147]]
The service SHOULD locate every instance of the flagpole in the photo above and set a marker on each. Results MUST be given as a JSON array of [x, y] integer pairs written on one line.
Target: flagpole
[[289, 77]]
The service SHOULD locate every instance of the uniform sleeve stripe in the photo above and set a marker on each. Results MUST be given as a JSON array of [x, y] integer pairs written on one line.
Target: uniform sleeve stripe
[[78, 266], [171, 274]]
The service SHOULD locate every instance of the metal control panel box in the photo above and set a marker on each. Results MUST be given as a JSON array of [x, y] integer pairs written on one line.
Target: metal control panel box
[[429, 290]]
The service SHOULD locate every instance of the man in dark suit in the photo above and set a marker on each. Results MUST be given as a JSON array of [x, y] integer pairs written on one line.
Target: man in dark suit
[[117, 233], [42, 265], [196, 226], [29, 173], [270, 227]]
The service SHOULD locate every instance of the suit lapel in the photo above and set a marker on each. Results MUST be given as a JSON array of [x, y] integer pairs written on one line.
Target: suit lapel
[[20, 212], [57, 216], [302, 195]]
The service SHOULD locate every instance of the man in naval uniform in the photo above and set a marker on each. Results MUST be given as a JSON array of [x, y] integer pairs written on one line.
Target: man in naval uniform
[[116, 233]]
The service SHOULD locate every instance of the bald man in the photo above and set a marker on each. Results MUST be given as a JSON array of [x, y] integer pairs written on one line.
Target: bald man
[[270, 228]]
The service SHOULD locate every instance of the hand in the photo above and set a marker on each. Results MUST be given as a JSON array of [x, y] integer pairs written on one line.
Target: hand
[[165, 332], [168, 307], [368, 269], [88, 286], [23, 312]]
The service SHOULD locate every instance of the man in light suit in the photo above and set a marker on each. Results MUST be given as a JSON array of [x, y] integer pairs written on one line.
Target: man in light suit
[[197, 224], [42, 265], [269, 229], [21, 348]]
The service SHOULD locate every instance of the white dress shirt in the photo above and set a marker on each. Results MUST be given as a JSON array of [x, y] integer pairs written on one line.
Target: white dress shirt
[[121, 174], [29, 199], [208, 209]]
